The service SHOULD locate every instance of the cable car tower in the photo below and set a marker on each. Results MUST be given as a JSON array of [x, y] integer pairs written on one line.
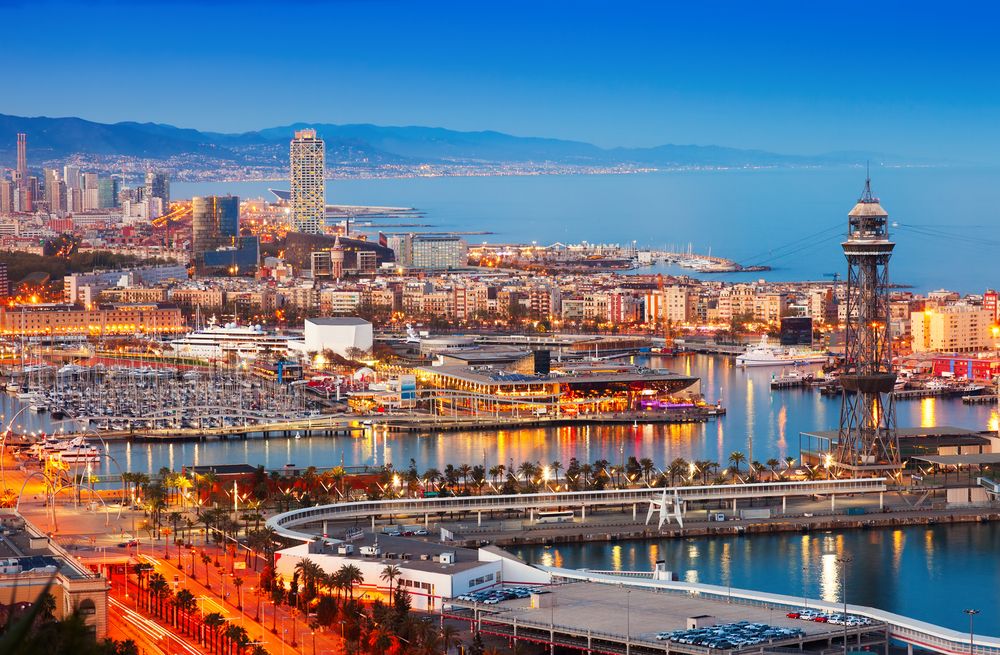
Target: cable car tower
[[867, 443]]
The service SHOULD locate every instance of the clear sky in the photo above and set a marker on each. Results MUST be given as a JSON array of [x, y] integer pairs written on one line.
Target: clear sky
[[904, 77]]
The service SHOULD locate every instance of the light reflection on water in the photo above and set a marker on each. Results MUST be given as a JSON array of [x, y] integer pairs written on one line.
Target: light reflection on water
[[773, 419], [928, 572]]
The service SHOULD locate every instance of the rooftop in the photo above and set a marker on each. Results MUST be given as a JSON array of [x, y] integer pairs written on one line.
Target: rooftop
[[395, 548], [487, 375], [338, 320]]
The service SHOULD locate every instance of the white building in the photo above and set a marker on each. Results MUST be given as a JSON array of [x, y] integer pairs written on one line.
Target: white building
[[430, 572], [338, 334]]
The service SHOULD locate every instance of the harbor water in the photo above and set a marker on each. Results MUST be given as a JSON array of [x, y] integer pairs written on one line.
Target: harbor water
[[759, 420], [929, 573]]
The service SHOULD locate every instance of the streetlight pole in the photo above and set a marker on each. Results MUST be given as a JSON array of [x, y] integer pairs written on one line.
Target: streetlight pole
[[805, 596], [628, 621], [972, 615], [844, 561]]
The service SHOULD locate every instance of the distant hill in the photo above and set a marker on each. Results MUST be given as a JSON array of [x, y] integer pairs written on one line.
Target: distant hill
[[362, 145]]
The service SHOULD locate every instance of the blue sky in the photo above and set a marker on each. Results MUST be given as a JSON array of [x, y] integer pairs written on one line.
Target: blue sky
[[909, 78]]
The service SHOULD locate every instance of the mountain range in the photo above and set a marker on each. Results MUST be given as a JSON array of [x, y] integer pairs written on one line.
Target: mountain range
[[362, 145]]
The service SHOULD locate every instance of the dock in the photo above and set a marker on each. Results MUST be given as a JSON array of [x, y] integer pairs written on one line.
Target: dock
[[981, 399], [358, 425]]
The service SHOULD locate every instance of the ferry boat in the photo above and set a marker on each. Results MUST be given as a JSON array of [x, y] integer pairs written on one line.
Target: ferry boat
[[78, 451], [764, 354], [218, 341]]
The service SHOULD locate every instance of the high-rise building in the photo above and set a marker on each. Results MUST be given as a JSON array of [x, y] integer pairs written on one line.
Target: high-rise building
[[215, 221], [22, 157], [307, 156], [107, 192], [55, 190], [7, 191], [71, 177], [4, 281], [158, 186]]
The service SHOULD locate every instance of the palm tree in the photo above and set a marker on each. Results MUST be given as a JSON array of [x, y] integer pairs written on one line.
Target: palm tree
[[352, 576], [555, 467], [213, 622], [184, 601], [736, 458], [527, 470], [237, 634], [335, 580], [788, 464], [773, 464], [158, 589], [238, 582], [206, 559], [464, 470], [647, 466], [677, 468], [312, 576], [496, 472], [389, 574]]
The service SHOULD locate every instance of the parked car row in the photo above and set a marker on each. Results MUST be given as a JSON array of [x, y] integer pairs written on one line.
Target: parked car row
[[497, 595], [851, 620], [730, 635]]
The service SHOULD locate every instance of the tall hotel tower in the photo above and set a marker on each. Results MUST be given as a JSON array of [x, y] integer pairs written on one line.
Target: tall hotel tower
[[308, 160]]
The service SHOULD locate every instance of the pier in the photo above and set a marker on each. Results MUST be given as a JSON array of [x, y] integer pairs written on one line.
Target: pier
[[588, 605], [615, 614]]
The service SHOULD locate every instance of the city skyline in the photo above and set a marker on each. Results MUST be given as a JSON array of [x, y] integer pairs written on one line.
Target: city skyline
[[791, 78]]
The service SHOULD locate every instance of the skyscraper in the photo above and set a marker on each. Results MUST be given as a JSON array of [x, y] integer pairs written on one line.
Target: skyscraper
[[215, 221], [107, 192], [71, 176], [307, 156], [22, 158], [158, 186]]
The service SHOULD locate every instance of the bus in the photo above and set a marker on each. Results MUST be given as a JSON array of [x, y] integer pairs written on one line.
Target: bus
[[554, 516]]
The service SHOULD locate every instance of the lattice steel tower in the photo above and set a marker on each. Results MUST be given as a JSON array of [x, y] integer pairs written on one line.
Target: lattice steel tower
[[867, 441]]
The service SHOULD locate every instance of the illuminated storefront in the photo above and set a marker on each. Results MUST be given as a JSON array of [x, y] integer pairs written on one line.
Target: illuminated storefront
[[581, 390]]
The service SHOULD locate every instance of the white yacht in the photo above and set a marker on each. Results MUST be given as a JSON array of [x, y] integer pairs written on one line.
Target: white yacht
[[78, 451], [218, 341], [764, 354]]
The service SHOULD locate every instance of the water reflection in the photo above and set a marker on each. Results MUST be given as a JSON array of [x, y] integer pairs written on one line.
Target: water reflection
[[929, 573], [772, 419]]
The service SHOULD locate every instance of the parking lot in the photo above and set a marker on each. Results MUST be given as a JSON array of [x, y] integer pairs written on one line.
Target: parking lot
[[642, 615]]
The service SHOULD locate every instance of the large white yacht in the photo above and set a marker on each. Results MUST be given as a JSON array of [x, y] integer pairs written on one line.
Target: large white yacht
[[218, 341], [765, 354]]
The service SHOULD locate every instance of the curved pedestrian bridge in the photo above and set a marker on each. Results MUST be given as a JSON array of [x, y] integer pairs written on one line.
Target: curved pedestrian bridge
[[286, 523]]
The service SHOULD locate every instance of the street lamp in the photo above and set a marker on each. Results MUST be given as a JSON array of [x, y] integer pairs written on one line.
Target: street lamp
[[844, 561], [972, 615], [805, 597], [628, 619]]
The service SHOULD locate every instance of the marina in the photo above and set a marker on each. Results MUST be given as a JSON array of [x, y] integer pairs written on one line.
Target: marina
[[760, 422]]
